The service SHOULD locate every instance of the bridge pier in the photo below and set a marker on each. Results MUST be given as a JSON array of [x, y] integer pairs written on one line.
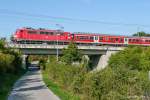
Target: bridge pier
[[102, 61], [25, 62]]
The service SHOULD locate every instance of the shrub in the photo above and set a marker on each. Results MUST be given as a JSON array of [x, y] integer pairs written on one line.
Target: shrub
[[71, 54], [6, 63], [125, 78]]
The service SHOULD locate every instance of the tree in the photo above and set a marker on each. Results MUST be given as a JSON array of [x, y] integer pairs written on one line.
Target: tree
[[71, 54], [141, 34], [2, 44]]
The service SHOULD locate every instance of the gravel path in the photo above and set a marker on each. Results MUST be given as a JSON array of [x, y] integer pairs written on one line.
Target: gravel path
[[31, 87]]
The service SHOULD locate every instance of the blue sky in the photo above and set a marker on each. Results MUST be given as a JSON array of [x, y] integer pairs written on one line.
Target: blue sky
[[108, 11]]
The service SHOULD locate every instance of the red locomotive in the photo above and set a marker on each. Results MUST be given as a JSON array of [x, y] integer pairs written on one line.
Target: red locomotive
[[39, 36]]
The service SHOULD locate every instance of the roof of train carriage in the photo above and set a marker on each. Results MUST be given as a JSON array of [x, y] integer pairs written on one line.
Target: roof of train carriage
[[50, 30], [87, 33], [42, 29]]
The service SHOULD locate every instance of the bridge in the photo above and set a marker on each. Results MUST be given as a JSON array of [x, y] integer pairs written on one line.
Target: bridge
[[99, 55]]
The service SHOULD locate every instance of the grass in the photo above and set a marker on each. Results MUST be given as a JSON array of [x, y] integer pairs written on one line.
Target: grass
[[6, 83], [62, 94]]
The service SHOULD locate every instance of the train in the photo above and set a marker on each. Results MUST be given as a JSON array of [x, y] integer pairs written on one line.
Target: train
[[27, 35]]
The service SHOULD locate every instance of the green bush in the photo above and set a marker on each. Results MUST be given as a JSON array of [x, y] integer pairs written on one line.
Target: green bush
[[6, 63], [71, 54], [125, 78], [10, 59], [2, 43], [10, 69]]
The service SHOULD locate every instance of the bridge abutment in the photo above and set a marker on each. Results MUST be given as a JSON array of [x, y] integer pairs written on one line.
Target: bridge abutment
[[25, 62], [102, 61]]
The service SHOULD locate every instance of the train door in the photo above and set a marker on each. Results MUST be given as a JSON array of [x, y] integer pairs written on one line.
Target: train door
[[96, 40], [125, 40], [72, 37]]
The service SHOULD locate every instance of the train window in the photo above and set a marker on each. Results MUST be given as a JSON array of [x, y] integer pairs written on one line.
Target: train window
[[130, 40], [80, 37], [96, 38], [83, 37], [61, 34], [146, 40], [137, 40], [91, 37], [46, 33], [117, 39], [111, 39], [121, 40], [32, 32], [100, 38], [106, 38], [42, 32], [51, 33], [86, 37], [21, 30], [126, 39]]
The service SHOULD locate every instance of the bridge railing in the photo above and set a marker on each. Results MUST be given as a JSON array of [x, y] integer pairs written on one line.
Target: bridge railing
[[45, 46]]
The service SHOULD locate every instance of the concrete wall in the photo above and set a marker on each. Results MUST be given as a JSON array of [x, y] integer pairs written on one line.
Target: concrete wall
[[102, 61], [24, 61], [35, 51]]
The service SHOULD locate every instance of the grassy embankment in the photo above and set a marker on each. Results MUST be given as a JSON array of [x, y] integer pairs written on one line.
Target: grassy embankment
[[61, 93], [125, 78]]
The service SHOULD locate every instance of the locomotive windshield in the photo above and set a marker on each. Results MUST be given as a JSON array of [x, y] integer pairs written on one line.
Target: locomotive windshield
[[32, 32]]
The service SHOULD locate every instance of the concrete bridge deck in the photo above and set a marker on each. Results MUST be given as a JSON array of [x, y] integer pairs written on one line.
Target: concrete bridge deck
[[51, 49], [99, 55], [43, 46]]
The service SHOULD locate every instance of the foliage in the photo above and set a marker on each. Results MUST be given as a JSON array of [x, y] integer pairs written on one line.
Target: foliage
[[57, 89], [134, 58], [142, 34], [125, 78], [132, 66], [42, 63], [71, 54], [6, 61], [37, 58], [2, 43], [10, 68]]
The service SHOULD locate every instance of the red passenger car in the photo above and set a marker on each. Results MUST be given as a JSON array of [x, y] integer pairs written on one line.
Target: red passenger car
[[139, 41], [98, 38]]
